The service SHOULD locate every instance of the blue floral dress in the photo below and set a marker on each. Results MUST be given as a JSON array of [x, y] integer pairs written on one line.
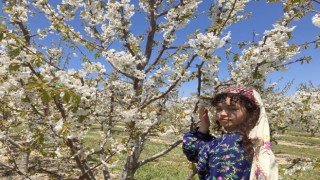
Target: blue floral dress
[[221, 158]]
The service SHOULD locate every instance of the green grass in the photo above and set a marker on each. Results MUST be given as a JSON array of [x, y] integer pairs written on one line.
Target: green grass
[[300, 133], [173, 165], [305, 140], [296, 151], [310, 149], [163, 170], [92, 138]]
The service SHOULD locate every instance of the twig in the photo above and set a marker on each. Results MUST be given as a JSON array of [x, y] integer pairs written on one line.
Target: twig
[[172, 146], [171, 87]]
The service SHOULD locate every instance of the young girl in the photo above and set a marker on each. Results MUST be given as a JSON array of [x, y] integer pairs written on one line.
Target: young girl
[[243, 151]]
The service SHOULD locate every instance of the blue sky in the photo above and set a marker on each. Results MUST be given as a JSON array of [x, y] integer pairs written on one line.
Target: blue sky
[[263, 16]]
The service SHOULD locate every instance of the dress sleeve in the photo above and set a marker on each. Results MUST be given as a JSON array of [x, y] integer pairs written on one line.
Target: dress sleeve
[[203, 163], [193, 142]]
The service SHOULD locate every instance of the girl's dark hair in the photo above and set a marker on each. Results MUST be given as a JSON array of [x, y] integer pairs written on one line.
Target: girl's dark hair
[[253, 111]]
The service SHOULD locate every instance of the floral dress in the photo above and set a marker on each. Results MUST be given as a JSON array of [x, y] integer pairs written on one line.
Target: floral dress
[[221, 158]]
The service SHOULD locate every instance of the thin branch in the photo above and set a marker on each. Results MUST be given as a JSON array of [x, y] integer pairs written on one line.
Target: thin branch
[[36, 110], [172, 146], [125, 33], [193, 173], [316, 1], [81, 163], [311, 42], [105, 170], [311, 10], [292, 62], [171, 87], [192, 125], [14, 169], [25, 32], [60, 107], [152, 30], [229, 15], [13, 142], [157, 59]]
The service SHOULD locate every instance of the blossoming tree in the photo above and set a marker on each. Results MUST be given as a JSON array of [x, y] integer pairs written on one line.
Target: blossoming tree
[[70, 65]]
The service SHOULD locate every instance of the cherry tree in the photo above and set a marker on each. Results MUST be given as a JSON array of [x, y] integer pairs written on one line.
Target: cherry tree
[[306, 100], [70, 65]]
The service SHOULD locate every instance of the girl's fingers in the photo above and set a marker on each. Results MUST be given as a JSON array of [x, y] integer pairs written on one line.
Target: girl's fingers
[[203, 113]]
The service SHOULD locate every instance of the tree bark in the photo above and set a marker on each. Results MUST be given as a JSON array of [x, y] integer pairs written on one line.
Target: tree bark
[[23, 162], [131, 163]]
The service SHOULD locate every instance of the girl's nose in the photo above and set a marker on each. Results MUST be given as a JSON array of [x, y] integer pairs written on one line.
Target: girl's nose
[[223, 112]]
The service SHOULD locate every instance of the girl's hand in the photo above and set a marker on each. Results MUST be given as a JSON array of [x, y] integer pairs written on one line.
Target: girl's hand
[[204, 120]]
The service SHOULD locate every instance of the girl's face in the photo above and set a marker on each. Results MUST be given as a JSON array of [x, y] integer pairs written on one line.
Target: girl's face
[[230, 115]]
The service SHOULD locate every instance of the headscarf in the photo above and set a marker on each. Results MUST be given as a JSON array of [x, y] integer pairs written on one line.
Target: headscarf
[[264, 165]]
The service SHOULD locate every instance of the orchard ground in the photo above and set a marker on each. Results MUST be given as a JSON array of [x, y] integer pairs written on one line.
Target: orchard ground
[[291, 145]]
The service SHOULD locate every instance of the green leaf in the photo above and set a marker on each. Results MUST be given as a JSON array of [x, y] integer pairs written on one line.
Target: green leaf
[[25, 99], [76, 99], [31, 85], [66, 97], [14, 67], [257, 75], [316, 165], [38, 62], [40, 138], [1, 36], [97, 55], [15, 52], [74, 109], [45, 96], [81, 119], [235, 57]]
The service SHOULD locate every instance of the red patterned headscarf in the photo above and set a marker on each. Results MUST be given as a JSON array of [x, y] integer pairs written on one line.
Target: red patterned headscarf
[[245, 91]]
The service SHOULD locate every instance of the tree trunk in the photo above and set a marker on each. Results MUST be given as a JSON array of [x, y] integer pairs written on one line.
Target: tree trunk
[[313, 133], [78, 155], [131, 163], [193, 173], [23, 162], [101, 126]]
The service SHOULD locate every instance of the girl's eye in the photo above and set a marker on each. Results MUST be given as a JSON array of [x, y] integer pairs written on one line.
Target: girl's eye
[[233, 109]]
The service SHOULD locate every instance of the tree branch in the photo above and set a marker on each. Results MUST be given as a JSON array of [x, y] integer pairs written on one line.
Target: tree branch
[[171, 87], [78, 157], [229, 15], [152, 30], [25, 32], [192, 125], [157, 59], [14, 169], [172, 146]]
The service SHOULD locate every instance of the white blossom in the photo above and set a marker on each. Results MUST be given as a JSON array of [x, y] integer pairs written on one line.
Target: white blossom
[[316, 20], [58, 126]]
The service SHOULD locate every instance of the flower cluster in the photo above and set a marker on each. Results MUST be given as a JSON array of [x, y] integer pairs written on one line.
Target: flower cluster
[[178, 17], [267, 56], [316, 20], [124, 62], [18, 11], [297, 165]]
